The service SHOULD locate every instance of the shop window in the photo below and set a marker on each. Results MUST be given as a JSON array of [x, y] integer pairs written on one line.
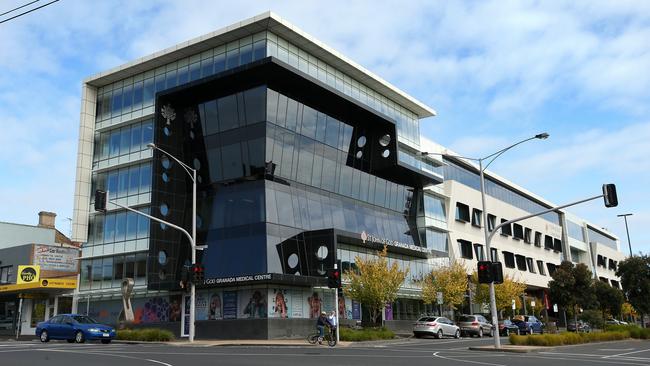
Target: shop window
[[6, 274], [465, 249], [462, 212], [476, 217]]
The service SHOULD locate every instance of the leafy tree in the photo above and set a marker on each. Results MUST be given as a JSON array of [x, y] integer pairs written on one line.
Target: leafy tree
[[504, 292], [451, 281], [635, 279], [374, 283], [572, 286], [610, 299]]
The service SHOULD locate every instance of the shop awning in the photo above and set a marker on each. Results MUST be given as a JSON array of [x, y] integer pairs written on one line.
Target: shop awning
[[45, 285]]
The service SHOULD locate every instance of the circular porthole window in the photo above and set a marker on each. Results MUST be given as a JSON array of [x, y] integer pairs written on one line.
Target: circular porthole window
[[165, 177], [359, 154], [166, 163], [384, 140], [162, 257], [199, 221], [322, 252], [386, 153], [164, 209], [192, 135], [163, 226], [197, 164], [162, 274], [199, 179], [361, 141], [167, 131], [292, 261]]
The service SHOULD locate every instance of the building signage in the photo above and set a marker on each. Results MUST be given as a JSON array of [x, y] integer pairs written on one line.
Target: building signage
[[238, 279], [52, 258], [365, 237], [28, 274]]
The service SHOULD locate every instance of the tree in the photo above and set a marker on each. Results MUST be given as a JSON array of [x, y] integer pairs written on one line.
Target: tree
[[635, 279], [451, 281], [374, 283], [572, 286], [610, 299], [504, 292]]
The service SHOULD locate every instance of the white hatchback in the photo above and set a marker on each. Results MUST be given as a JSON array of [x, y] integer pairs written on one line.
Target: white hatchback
[[435, 326]]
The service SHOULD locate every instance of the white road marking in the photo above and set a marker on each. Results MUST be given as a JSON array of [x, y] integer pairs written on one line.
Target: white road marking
[[435, 354], [160, 362], [105, 354], [616, 349], [627, 353]]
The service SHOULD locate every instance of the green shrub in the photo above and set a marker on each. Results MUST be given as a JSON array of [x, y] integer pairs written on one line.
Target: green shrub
[[145, 335], [567, 338], [366, 334], [634, 330], [593, 317]]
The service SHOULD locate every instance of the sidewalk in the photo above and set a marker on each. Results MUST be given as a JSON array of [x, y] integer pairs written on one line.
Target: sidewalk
[[239, 342]]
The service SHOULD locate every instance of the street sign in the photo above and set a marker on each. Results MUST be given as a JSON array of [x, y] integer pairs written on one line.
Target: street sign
[[555, 308], [514, 305], [439, 298], [532, 303]]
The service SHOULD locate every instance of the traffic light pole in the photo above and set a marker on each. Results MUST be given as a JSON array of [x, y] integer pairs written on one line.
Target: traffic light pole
[[336, 308]]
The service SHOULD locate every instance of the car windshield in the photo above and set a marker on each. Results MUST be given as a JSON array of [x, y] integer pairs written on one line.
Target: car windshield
[[82, 319], [464, 318]]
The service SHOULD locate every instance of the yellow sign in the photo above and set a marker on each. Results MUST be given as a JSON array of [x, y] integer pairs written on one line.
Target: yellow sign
[[64, 283], [28, 274]]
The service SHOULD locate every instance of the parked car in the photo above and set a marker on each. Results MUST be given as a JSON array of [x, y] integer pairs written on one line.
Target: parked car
[[528, 324], [612, 321], [507, 327], [435, 326], [475, 325], [581, 326], [74, 328]]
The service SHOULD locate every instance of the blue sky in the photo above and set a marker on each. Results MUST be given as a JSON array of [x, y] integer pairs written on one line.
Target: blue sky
[[496, 72]]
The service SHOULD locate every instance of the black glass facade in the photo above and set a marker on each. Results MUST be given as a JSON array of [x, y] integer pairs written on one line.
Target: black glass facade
[[286, 170]]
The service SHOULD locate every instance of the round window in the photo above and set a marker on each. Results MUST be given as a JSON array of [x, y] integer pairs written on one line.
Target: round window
[[164, 209], [167, 131], [292, 261], [386, 153], [361, 141], [192, 135], [166, 163], [359, 154], [384, 140], [162, 257], [199, 221], [197, 164], [322, 252], [165, 177], [162, 274]]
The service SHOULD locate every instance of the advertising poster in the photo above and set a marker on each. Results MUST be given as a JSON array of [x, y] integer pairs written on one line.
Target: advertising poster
[[175, 308], [388, 311], [52, 258], [348, 308], [297, 306], [214, 304], [253, 304], [201, 306], [328, 301], [356, 310], [279, 302], [186, 316], [314, 304], [230, 304]]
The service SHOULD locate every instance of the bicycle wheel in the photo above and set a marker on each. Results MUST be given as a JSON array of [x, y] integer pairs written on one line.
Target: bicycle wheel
[[312, 338], [331, 340]]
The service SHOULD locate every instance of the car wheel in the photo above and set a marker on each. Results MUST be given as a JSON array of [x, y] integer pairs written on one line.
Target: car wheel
[[44, 336], [457, 334], [106, 341], [417, 335], [439, 336], [480, 332], [79, 337]]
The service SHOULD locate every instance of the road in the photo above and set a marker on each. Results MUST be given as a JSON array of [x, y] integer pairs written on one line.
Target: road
[[411, 352]]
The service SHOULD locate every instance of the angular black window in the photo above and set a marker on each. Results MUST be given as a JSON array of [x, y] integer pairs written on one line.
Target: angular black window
[[492, 222], [509, 259], [465, 249], [557, 245], [527, 235], [538, 239], [521, 262], [531, 265], [548, 242], [551, 268], [507, 229], [540, 268], [476, 217], [462, 212], [478, 250]]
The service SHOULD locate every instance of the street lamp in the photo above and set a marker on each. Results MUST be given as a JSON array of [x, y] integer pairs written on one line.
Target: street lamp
[[491, 158], [192, 173], [624, 216]]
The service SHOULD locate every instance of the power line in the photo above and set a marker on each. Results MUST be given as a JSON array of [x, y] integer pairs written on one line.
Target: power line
[[27, 12], [20, 7]]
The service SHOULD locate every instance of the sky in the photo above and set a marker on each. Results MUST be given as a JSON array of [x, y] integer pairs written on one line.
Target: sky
[[495, 71]]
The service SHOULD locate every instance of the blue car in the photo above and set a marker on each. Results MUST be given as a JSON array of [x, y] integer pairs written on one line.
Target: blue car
[[528, 324], [74, 328]]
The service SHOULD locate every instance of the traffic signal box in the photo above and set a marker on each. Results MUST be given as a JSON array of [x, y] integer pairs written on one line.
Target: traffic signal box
[[489, 272], [198, 273], [609, 194], [334, 278]]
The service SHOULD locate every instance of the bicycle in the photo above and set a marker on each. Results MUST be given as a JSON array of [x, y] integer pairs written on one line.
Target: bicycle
[[330, 337]]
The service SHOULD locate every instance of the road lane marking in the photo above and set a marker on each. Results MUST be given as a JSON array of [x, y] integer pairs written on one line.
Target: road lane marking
[[626, 353], [616, 349], [104, 354], [435, 354]]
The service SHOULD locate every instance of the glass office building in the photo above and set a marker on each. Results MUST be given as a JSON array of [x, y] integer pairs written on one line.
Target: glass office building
[[304, 160]]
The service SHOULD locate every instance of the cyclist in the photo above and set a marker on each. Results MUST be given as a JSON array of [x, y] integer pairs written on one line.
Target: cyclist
[[320, 325]]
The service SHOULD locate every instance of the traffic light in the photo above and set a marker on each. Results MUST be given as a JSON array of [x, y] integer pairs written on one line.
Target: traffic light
[[100, 200], [198, 273], [609, 194], [497, 272], [485, 272], [334, 278]]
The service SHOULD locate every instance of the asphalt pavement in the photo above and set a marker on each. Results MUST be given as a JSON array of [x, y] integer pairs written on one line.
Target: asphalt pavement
[[415, 352]]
